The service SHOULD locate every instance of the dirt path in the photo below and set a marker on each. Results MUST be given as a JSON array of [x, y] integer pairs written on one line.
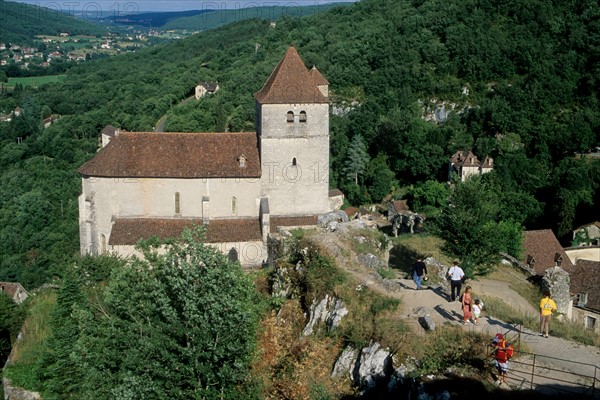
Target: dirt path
[[557, 363], [553, 361]]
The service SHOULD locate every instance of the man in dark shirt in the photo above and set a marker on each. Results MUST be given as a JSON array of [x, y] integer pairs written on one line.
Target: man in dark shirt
[[419, 271]]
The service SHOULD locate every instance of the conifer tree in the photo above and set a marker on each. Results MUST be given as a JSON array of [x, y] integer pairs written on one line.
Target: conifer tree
[[357, 159]]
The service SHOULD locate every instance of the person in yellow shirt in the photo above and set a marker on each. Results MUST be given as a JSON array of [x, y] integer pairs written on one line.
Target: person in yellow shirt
[[547, 307]]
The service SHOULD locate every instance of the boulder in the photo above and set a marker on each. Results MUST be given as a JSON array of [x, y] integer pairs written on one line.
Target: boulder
[[374, 365], [335, 216], [345, 364], [329, 311]]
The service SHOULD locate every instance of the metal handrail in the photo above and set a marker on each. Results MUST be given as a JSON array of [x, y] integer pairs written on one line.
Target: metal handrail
[[595, 378]]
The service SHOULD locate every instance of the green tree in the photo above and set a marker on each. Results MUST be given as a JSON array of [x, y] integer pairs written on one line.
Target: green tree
[[179, 325], [428, 197], [56, 369], [357, 159], [471, 227], [380, 178]]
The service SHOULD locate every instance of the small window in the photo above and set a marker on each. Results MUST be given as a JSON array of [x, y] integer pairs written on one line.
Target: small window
[[177, 203], [590, 322], [294, 162], [234, 205], [290, 116], [233, 255], [242, 161], [102, 244], [303, 116]]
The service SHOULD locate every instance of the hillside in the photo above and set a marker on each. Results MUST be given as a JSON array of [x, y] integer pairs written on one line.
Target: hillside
[[521, 77], [215, 19], [150, 19], [21, 22]]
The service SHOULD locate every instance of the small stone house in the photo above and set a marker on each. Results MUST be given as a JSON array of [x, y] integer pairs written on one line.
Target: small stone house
[[585, 284], [336, 199], [590, 233], [15, 291], [205, 88], [465, 163]]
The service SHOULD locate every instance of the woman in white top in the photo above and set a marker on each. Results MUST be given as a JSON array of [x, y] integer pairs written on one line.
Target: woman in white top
[[456, 275]]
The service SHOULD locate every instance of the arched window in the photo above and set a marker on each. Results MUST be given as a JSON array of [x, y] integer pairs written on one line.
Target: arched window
[[290, 116], [177, 203], [233, 255], [294, 162], [303, 116], [234, 205], [102, 244]]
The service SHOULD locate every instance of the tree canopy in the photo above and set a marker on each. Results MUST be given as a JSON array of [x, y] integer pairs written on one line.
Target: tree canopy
[[177, 324]]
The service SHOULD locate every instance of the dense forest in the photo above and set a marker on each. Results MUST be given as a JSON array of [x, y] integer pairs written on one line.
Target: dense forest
[[522, 79], [21, 22]]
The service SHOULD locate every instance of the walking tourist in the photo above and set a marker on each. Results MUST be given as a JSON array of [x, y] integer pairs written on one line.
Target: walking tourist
[[456, 275], [547, 307], [419, 272]]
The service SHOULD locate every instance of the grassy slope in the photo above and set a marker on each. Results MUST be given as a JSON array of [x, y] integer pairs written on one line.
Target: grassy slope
[[34, 81]]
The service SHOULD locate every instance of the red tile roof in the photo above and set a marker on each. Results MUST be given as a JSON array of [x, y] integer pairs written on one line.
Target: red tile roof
[[128, 231], [335, 192], [317, 77], [351, 212], [290, 83], [176, 155], [465, 158], [585, 278], [109, 130], [543, 246], [11, 288], [301, 220]]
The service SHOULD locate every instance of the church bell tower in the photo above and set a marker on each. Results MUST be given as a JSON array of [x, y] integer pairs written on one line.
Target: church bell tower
[[292, 123]]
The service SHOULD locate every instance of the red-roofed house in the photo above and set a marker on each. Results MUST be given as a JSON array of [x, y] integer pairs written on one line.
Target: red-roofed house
[[541, 250], [241, 185], [465, 164], [15, 291]]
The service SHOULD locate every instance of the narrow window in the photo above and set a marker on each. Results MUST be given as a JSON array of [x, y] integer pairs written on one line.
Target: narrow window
[[294, 162], [177, 203], [303, 116], [590, 322], [102, 244], [233, 255], [234, 205], [290, 116]]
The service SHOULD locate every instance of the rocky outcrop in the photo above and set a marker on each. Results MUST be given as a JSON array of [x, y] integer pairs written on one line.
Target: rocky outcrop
[[367, 368], [374, 365], [329, 311], [558, 282], [370, 261], [344, 366], [331, 219], [16, 393]]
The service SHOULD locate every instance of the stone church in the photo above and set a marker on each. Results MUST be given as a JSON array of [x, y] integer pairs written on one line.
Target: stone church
[[242, 186]]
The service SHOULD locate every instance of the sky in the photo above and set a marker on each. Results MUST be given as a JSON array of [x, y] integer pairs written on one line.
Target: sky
[[134, 6]]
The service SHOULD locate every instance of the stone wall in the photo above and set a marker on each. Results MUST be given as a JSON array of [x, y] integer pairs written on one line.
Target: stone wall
[[558, 282]]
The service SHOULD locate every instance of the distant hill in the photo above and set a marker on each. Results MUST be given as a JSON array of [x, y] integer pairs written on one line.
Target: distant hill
[[21, 22], [152, 19], [215, 19]]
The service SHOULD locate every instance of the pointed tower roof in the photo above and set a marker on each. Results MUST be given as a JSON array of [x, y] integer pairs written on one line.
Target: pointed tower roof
[[317, 77], [290, 83]]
